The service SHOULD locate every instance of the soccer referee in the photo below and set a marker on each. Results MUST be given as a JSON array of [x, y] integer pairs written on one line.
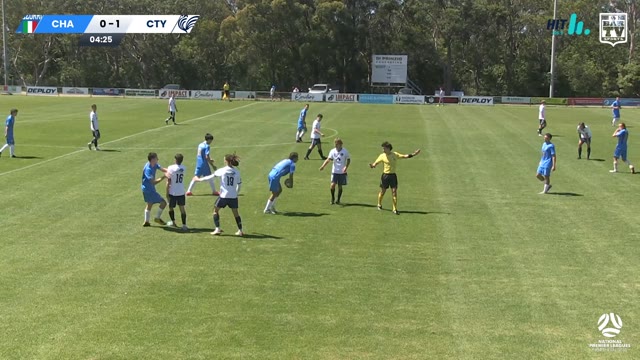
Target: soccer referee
[[389, 178]]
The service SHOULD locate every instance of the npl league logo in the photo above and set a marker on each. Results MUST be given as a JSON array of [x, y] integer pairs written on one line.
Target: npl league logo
[[613, 28], [575, 27]]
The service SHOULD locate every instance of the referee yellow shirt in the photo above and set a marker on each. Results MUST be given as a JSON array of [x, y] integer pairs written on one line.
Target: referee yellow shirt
[[389, 162]]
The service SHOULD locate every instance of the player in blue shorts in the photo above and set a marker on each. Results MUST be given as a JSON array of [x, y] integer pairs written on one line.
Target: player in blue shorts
[[547, 163], [302, 123], [204, 163], [284, 167], [615, 106], [8, 133], [621, 149], [149, 192]]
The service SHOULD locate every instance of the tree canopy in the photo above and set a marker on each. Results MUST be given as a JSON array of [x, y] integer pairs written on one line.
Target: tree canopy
[[489, 47]]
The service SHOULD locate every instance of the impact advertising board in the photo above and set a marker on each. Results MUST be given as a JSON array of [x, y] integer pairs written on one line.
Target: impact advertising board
[[177, 94], [342, 97]]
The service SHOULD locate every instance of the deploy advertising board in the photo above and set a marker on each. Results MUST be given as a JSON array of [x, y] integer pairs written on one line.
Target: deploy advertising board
[[42, 90], [476, 100]]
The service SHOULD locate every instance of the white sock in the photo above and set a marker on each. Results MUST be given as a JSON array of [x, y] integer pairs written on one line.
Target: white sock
[[615, 166], [191, 185], [546, 187], [269, 204], [297, 135], [11, 149], [273, 203], [159, 213], [4, 147], [212, 184], [147, 215]]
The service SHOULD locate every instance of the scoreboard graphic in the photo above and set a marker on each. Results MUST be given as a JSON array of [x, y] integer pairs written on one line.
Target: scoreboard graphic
[[106, 30]]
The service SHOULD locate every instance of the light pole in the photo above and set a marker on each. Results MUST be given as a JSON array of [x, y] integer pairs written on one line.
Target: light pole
[[552, 72], [4, 45]]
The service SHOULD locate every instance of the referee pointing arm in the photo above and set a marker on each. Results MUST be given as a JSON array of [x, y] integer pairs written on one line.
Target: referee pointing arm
[[389, 179]]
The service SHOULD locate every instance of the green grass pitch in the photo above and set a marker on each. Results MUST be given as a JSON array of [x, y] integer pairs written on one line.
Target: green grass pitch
[[477, 266]]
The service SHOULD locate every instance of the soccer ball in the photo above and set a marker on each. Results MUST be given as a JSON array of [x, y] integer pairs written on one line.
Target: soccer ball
[[170, 223], [288, 183]]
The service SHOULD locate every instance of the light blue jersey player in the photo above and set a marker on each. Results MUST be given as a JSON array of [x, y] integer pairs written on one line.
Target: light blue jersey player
[[621, 148], [8, 133], [302, 123], [149, 193], [204, 164], [615, 106], [284, 167], [547, 163]]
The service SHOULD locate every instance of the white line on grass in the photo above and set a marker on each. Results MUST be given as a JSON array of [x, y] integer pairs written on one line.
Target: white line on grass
[[122, 138], [217, 146]]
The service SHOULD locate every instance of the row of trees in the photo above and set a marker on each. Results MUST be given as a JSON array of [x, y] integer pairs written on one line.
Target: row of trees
[[482, 47]]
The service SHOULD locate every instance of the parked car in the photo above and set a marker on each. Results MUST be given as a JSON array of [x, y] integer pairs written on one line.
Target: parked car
[[405, 91], [172, 87], [321, 89]]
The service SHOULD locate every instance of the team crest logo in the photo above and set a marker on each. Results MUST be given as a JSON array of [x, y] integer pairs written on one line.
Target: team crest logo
[[613, 28], [187, 22]]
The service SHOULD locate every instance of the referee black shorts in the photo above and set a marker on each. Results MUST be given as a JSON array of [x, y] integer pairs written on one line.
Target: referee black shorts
[[96, 134], [388, 181]]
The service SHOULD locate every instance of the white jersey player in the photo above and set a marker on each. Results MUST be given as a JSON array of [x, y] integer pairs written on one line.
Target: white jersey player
[[341, 161], [95, 129], [175, 189], [541, 117], [584, 136], [316, 134], [230, 182], [172, 110]]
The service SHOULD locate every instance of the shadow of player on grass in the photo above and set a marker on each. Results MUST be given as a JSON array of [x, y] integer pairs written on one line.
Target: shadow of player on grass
[[190, 231], [29, 157], [400, 210], [302, 214]]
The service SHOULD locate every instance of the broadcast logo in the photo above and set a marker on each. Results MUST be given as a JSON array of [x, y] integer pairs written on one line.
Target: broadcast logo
[[613, 28], [186, 22]]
